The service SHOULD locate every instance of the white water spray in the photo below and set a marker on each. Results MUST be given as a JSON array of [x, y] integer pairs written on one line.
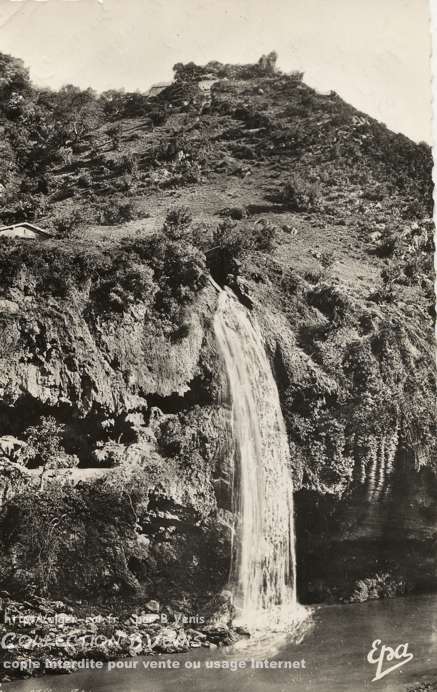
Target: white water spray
[[263, 568]]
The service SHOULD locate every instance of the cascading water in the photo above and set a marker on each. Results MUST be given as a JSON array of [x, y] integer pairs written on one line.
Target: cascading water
[[263, 567]]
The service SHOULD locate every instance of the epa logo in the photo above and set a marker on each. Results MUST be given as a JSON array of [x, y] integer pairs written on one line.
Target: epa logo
[[383, 656]]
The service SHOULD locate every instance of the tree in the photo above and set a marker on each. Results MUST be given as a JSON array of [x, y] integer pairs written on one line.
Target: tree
[[271, 61], [267, 63], [188, 73], [45, 447], [8, 167], [79, 110], [112, 102], [35, 138], [14, 79], [13, 471]]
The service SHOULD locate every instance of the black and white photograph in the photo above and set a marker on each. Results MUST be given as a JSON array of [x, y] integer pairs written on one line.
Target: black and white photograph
[[218, 445]]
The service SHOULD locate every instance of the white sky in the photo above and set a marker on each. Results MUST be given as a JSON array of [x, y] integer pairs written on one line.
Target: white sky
[[374, 53]]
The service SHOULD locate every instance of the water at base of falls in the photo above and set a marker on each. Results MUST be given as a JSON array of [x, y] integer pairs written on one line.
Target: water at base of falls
[[263, 566]]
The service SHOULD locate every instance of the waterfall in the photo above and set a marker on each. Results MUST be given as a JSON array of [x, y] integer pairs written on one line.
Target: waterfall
[[263, 565]]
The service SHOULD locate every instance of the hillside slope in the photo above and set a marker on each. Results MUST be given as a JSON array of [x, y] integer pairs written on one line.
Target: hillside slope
[[318, 217]]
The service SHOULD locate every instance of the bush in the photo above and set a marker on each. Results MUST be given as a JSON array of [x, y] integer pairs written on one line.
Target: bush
[[114, 132], [163, 274], [227, 247], [192, 73], [66, 222], [327, 259], [297, 76], [158, 117], [180, 272], [264, 236], [25, 207], [45, 447], [177, 223], [331, 301], [186, 172], [386, 245], [290, 282], [253, 119], [51, 268], [118, 165], [235, 213], [229, 239], [379, 586], [85, 179], [299, 195], [313, 276], [128, 164], [116, 212], [76, 540], [126, 281]]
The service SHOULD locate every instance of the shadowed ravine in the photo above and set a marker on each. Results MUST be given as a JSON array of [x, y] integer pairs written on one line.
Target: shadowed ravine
[[263, 567]]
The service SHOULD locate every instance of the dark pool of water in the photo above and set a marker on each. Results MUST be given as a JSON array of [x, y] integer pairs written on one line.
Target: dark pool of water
[[334, 648]]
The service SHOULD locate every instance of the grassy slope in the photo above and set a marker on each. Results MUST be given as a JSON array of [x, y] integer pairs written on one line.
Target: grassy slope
[[318, 137]]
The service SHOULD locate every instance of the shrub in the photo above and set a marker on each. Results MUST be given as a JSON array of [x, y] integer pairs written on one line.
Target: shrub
[[180, 272], [158, 117], [177, 223], [228, 238], [45, 446], [126, 281], [311, 332], [326, 259], [227, 247], [313, 276], [264, 236], [379, 586], [85, 179], [135, 103], [25, 207], [330, 301], [299, 195], [128, 163], [386, 245], [290, 282], [51, 268], [66, 222], [253, 119], [384, 293], [114, 132], [76, 540], [186, 172], [115, 212], [297, 76]]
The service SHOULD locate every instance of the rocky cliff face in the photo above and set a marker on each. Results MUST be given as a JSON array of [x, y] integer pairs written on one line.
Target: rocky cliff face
[[356, 548], [354, 379], [145, 409], [58, 355], [147, 416]]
